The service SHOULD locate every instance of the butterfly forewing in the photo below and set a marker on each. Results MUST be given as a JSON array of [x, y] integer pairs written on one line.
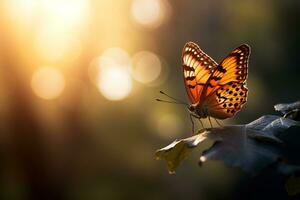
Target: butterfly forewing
[[197, 69], [233, 68]]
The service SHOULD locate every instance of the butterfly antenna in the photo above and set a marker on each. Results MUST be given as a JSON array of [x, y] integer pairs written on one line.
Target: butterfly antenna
[[177, 100], [174, 102]]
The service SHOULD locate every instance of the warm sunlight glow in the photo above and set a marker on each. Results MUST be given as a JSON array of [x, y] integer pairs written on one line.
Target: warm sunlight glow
[[47, 83], [67, 12], [21, 11], [52, 44], [111, 73], [146, 67], [114, 82], [64, 12], [169, 126], [149, 13], [117, 56]]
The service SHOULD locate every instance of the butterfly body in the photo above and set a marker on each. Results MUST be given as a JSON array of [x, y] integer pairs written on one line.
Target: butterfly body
[[198, 111], [215, 90]]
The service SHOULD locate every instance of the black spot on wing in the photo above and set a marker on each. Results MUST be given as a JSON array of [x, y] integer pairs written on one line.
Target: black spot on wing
[[188, 68], [190, 78], [216, 78], [221, 69], [210, 85], [193, 86]]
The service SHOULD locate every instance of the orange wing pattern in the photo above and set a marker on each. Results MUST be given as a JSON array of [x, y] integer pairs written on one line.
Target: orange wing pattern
[[227, 100], [197, 69], [233, 68], [227, 92]]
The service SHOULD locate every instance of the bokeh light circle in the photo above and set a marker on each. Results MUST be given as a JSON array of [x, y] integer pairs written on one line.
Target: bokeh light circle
[[111, 73], [117, 56], [149, 13], [114, 82], [47, 83], [146, 67]]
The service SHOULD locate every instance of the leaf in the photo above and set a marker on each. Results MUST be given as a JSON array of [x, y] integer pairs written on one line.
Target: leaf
[[290, 110], [179, 150], [251, 147], [268, 127]]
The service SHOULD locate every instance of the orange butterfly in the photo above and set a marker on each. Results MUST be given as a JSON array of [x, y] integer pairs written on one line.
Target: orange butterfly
[[215, 90]]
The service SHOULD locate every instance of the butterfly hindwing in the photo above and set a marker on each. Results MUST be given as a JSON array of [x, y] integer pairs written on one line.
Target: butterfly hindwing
[[227, 100], [197, 69]]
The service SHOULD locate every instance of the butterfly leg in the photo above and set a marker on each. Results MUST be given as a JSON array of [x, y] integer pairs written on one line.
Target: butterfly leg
[[192, 124], [201, 123], [210, 122], [218, 122]]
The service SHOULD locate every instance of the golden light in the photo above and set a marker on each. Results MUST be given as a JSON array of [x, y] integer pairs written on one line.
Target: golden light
[[117, 56], [111, 73], [47, 83], [150, 13], [146, 67], [111, 57], [169, 126], [65, 12], [53, 44], [21, 11], [114, 82], [57, 38], [203, 159]]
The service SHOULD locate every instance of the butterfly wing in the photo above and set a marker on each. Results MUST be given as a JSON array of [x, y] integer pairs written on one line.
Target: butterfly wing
[[226, 92], [234, 67], [227, 100], [197, 69]]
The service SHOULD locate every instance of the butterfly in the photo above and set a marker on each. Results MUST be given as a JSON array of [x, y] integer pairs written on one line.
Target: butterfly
[[215, 90]]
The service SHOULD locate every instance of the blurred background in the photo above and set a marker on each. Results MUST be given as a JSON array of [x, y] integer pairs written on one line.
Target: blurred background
[[78, 82]]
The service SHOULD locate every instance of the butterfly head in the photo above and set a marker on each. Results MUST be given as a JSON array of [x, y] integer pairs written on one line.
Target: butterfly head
[[192, 108], [198, 111]]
